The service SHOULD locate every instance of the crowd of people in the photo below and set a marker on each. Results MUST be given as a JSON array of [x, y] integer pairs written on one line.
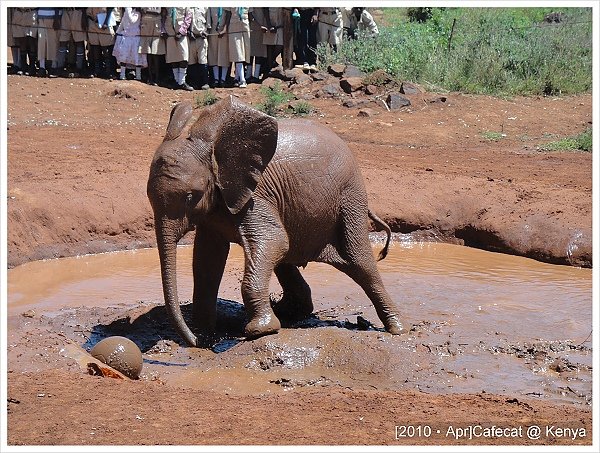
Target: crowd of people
[[187, 48]]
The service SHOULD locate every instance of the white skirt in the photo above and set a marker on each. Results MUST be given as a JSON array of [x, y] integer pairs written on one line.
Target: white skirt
[[126, 51]]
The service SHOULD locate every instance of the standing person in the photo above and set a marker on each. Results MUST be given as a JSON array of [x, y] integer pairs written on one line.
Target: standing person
[[198, 52], [238, 27], [306, 44], [151, 43], [258, 50], [73, 25], [273, 37], [177, 24], [25, 32], [218, 46], [362, 24], [128, 42], [101, 37], [331, 26], [12, 43], [48, 37]]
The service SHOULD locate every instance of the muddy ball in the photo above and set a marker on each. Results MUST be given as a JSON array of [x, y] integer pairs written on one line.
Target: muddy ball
[[120, 353]]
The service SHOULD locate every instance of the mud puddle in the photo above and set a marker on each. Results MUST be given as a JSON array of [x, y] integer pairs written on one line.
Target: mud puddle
[[481, 322]]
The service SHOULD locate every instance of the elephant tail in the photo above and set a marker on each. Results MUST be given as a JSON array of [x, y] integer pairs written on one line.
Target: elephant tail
[[388, 231]]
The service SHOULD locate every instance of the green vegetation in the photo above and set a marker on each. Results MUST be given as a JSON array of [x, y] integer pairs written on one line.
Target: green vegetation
[[493, 136], [579, 142], [302, 108], [499, 51], [275, 96], [208, 98]]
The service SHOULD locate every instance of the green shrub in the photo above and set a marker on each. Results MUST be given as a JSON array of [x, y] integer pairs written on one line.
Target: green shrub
[[579, 142], [302, 108], [208, 98], [274, 97], [506, 51], [493, 136]]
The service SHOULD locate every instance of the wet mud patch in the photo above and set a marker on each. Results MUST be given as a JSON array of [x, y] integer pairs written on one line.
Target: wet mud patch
[[335, 347]]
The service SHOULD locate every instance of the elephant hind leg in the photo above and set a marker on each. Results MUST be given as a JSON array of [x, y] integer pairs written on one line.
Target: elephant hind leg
[[355, 259], [296, 302], [368, 278]]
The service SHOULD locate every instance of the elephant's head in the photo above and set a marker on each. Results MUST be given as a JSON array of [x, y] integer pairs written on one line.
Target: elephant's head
[[216, 167]]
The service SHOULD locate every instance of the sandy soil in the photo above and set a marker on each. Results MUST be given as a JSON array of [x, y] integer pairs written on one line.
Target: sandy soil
[[78, 156]]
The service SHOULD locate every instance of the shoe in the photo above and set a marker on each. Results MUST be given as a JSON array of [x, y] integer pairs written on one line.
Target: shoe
[[313, 67], [236, 84], [206, 86], [306, 66], [42, 72], [186, 87], [253, 80], [243, 85]]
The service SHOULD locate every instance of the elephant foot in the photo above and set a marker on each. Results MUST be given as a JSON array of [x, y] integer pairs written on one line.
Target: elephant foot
[[263, 324], [395, 326], [290, 309]]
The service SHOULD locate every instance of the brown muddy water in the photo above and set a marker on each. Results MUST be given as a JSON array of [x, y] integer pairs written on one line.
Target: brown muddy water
[[481, 322]]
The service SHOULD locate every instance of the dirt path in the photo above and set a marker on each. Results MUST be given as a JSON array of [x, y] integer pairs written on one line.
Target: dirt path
[[78, 156]]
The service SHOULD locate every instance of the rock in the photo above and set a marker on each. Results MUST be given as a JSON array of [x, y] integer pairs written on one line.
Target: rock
[[336, 69], [270, 82], [409, 88], [319, 76], [371, 89], [303, 79], [366, 112], [277, 72], [351, 84], [353, 71], [292, 74], [396, 101], [28, 314], [437, 100], [352, 103], [330, 90]]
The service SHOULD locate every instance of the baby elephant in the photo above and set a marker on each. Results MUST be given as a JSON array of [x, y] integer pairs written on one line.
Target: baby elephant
[[288, 192]]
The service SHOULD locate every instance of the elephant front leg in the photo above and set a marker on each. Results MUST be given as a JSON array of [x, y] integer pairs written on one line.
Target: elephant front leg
[[210, 256], [263, 250]]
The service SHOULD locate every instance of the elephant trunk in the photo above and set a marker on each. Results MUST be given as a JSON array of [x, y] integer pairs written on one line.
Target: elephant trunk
[[168, 233]]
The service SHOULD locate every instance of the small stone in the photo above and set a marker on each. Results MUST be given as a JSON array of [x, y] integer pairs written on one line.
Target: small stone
[[337, 69], [303, 79], [319, 76], [396, 101], [370, 90], [331, 90], [351, 84], [353, 71], [409, 88], [366, 112], [28, 314], [437, 100]]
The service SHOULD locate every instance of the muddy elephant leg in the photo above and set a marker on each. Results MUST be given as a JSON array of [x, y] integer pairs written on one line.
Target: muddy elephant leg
[[366, 275], [296, 302], [356, 260], [210, 255], [264, 243]]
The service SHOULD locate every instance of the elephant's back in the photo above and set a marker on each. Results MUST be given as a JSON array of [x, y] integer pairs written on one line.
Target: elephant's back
[[305, 139]]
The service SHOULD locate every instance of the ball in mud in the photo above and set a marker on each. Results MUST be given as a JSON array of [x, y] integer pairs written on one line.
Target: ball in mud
[[120, 353]]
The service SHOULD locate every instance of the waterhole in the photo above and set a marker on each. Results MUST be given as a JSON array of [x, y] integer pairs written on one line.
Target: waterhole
[[480, 322]]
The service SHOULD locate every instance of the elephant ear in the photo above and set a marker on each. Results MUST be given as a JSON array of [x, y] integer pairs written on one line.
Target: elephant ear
[[244, 141], [180, 116]]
